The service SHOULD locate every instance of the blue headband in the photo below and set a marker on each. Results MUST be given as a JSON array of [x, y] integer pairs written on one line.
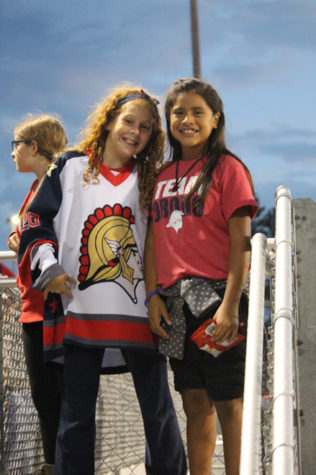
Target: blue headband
[[138, 95]]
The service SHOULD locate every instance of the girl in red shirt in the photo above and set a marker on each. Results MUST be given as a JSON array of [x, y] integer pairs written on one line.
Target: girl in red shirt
[[197, 251]]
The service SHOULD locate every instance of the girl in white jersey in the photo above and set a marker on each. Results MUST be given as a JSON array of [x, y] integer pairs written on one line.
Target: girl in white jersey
[[84, 234], [196, 261]]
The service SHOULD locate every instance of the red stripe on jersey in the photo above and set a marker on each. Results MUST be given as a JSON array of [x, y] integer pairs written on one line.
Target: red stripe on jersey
[[53, 335], [108, 330]]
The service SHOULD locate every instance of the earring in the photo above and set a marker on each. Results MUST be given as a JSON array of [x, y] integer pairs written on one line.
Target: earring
[[135, 156], [147, 158]]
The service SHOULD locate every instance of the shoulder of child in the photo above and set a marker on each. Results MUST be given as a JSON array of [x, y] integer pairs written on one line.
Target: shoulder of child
[[228, 160], [70, 154], [65, 157]]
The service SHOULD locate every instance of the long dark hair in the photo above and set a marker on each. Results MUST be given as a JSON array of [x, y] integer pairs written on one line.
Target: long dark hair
[[215, 146]]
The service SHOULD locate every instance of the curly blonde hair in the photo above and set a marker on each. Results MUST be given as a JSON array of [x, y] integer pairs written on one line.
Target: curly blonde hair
[[94, 135]]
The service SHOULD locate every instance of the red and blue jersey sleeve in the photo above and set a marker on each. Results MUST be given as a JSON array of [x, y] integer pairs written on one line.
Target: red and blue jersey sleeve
[[37, 222]]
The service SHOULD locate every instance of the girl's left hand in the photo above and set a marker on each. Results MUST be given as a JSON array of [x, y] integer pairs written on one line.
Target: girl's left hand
[[227, 323], [59, 285], [157, 311]]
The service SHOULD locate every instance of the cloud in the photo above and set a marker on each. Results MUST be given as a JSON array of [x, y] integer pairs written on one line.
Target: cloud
[[257, 42], [262, 27], [131, 34], [242, 74], [284, 155], [293, 152], [266, 191], [58, 53], [279, 24], [287, 143]]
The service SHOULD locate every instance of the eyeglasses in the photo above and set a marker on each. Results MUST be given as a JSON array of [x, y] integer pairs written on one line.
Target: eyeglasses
[[15, 143]]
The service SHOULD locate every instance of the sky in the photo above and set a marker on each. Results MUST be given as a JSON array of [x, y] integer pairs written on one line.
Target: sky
[[61, 57]]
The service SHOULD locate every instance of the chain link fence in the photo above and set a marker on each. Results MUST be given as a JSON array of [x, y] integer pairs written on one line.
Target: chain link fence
[[120, 436], [20, 438]]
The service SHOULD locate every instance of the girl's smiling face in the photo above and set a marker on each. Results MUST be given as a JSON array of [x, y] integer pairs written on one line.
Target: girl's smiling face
[[129, 133], [191, 123]]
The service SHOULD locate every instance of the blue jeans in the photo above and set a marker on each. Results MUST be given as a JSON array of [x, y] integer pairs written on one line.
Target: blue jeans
[[76, 434]]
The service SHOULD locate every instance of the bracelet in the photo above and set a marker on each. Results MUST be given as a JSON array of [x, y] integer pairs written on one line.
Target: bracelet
[[153, 292]]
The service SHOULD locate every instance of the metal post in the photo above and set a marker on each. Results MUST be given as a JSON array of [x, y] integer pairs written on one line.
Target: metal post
[[195, 39], [283, 390], [250, 439]]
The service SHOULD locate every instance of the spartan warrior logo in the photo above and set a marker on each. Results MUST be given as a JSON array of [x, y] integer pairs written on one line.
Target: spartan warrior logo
[[109, 252]]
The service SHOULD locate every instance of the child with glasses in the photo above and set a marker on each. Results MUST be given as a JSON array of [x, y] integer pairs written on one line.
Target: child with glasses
[[37, 142]]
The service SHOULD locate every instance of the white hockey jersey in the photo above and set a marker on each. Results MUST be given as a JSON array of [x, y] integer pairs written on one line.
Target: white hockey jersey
[[96, 233]]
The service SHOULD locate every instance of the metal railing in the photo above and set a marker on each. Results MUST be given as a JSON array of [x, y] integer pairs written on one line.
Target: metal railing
[[283, 387], [271, 409], [7, 256], [251, 433]]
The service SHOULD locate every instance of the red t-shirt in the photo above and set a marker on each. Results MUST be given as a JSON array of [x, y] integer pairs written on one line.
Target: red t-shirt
[[32, 300], [195, 242]]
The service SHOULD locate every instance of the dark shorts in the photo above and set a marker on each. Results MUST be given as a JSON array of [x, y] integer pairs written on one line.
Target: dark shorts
[[222, 377]]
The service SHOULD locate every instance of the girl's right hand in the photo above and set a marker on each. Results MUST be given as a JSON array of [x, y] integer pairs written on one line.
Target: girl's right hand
[[157, 311], [58, 285], [14, 242]]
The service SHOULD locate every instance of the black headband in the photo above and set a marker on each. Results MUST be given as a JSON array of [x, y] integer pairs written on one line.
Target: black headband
[[138, 95]]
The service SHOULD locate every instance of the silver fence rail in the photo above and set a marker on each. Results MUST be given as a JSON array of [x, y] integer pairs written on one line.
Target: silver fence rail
[[7, 256], [270, 434], [251, 424], [283, 447]]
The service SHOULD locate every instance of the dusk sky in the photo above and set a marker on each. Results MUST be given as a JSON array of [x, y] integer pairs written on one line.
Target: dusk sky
[[63, 56]]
